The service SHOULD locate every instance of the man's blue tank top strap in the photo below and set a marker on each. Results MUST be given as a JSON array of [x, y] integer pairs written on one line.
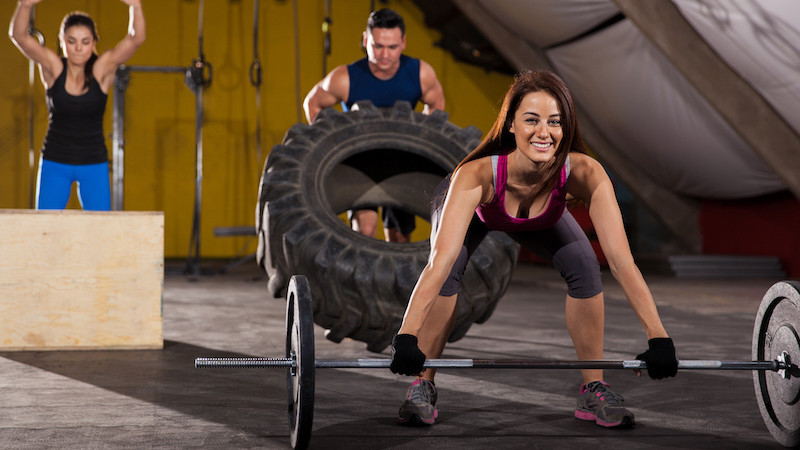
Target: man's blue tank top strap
[[364, 85]]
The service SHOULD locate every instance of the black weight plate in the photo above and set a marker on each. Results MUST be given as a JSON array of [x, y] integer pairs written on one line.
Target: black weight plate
[[300, 348], [775, 333]]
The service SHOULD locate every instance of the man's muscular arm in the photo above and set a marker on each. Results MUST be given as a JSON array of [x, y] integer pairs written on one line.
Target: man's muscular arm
[[332, 89], [432, 93]]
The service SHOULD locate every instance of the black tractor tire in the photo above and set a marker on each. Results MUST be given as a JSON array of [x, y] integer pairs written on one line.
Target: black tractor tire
[[362, 158]]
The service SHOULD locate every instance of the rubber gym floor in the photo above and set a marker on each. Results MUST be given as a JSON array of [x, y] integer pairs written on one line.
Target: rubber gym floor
[[157, 399]]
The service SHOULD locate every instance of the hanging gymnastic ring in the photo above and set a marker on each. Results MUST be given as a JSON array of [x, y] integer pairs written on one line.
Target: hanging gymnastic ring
[[198, 72], [255, 73]]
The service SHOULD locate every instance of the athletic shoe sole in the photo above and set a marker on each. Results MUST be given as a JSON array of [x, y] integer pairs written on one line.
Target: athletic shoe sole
[[415, 419], [590, 417]]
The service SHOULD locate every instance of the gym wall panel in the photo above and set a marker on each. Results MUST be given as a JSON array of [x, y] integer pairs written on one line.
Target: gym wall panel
[[160, 109]]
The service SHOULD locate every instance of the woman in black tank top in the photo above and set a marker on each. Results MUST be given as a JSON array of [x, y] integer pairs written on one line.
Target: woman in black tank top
[[76, 84]]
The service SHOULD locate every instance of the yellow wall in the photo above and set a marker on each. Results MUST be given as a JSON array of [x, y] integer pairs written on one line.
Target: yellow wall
[[160, 109]]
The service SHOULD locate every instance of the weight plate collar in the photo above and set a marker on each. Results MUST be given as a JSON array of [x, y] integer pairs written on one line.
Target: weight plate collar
[[775, 336]]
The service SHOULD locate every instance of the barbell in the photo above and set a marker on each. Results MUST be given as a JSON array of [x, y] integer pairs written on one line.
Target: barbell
[[775, 350]]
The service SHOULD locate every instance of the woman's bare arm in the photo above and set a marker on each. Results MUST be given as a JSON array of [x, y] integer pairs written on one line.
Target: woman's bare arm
[[590, 183], [106, 65], [468, 188], [49, 62]]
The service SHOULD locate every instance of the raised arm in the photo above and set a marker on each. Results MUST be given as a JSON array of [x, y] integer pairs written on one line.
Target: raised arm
[[432, 93], [590, 183], [332, 89], [18, 31], [106, 66], [468, 188]]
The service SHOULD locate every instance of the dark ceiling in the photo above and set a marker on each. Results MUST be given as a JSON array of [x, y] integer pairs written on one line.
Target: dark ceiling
[[460, 37]]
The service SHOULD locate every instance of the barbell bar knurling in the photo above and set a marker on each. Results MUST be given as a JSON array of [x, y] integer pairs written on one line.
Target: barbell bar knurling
[[380, 363]]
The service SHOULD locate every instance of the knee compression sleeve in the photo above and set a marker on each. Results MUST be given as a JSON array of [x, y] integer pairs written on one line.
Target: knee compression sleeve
[[579, 267]]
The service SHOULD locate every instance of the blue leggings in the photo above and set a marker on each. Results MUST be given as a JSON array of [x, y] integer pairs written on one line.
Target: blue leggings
[[55, 185]]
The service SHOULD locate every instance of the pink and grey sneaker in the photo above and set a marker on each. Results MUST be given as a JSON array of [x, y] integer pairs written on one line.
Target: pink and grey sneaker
[[420, 405], [598, 403]]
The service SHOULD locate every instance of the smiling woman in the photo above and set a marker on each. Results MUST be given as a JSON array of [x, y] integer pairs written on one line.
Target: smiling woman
[[76, 84], [518, 181], [537, 131]]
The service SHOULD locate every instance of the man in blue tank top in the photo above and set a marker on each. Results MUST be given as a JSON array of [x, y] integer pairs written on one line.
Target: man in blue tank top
[[384, 76]]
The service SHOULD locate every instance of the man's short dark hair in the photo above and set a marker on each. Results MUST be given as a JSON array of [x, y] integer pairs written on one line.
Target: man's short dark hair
[[386, 18]]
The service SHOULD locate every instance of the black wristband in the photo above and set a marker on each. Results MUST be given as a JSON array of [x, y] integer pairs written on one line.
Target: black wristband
[[404, 340], [659, 343]]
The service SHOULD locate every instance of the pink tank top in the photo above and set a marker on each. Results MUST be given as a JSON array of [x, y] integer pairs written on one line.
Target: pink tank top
[[494, 214]]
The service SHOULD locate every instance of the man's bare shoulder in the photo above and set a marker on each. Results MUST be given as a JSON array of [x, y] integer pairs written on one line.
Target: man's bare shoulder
[[338, 74], [337, 82]]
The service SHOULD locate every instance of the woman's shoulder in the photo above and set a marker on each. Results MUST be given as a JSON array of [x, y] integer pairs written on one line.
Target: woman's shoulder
[[477, 171], [475, 174], [478, 165], [581, 161], [586, 173]]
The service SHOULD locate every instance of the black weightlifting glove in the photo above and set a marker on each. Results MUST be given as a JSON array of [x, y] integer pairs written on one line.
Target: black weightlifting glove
[[660, 358], [407, 358]]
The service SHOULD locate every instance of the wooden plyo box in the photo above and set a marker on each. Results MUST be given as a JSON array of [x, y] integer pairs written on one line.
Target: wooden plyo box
[[81, 280]]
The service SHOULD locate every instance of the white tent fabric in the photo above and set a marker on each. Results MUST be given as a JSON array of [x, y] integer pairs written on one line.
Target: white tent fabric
[[646, 107], [548, 22], [760, 40]]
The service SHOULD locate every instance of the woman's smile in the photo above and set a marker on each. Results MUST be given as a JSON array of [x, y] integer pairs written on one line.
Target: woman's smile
[[537, 126]]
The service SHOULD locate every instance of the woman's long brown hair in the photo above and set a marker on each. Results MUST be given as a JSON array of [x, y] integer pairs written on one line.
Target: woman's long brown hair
[[500, 140]]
